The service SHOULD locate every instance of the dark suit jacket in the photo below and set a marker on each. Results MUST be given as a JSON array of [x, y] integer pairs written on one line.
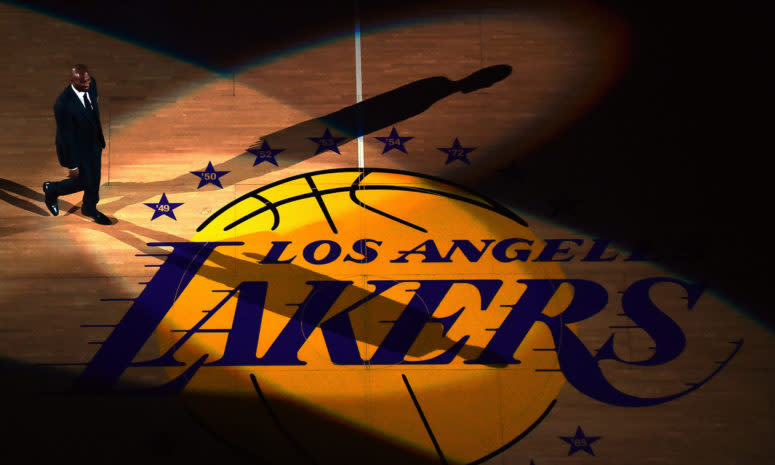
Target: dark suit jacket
[[79, 133]]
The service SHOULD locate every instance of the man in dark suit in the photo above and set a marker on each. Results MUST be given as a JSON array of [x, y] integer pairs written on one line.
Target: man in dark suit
[[79, 143]]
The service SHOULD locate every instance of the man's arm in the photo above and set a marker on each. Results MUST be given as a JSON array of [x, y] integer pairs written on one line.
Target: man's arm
[[96, 103], [66, 130]]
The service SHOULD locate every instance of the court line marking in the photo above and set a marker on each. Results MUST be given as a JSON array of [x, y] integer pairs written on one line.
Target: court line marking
[[358, 83], [424, 420]]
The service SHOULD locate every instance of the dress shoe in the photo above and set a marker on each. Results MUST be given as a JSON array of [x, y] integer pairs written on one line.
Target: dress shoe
[[50, 199], [99, 218]]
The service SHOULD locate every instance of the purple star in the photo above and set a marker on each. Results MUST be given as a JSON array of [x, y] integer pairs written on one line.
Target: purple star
[[393, 141], [580, 442], [265, 153], [164, 207], [209, 176], [327, 142], [457, 152]]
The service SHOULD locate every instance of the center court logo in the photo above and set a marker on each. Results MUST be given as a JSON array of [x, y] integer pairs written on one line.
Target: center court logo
[[369, 316]]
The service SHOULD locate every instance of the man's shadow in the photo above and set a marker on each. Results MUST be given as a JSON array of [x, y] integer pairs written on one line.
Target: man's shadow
[[377, 112], [28, 200], [6, 186], [349, 123]]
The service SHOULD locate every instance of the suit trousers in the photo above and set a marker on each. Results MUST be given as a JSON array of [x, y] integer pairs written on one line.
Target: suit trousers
[[88, 181]]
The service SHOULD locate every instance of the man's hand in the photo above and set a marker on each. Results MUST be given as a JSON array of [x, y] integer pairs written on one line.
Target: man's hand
[[73, 173]]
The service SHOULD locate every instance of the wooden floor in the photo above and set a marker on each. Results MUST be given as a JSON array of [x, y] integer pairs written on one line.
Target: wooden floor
[[164, 118]]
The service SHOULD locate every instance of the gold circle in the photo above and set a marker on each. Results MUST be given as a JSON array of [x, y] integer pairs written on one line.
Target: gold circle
[[341, 413]]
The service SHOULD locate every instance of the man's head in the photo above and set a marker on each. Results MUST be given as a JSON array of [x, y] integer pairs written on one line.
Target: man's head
[[79, 77]]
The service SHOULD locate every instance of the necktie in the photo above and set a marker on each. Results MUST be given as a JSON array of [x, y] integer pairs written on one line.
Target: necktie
[[87, 102]]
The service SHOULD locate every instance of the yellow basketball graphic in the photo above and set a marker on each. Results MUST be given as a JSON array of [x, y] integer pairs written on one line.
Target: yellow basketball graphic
[[353, 322]]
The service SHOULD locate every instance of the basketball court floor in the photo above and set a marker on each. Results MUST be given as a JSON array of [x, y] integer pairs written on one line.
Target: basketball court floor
[[446, 100]]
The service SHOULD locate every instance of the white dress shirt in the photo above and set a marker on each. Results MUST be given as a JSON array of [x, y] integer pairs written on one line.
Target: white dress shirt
[[79, 94]]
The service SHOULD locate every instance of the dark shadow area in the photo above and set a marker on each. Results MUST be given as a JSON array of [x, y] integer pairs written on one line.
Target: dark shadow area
[[298, 434], [31, 201], [234, 34], [667, 162], [376, 113], [137, 424], [397, 105], [37, 409], [6, 186]]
